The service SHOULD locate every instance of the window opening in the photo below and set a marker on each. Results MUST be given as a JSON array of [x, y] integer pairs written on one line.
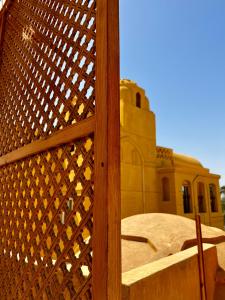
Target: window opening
[[166, 189], [213, 198], [186, 190], [138, 100], [201, 197]]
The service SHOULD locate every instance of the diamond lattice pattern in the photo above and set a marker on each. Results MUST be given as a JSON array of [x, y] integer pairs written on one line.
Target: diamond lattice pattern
[[47, 72], [46, 207]]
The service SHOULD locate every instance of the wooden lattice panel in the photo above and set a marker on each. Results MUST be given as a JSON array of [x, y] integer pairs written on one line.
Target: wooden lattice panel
[[46, 209], [58, 60], [47, 70]]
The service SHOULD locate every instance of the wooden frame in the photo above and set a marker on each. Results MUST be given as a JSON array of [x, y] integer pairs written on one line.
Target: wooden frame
[[107, 153], [106, 278], [63, 136]]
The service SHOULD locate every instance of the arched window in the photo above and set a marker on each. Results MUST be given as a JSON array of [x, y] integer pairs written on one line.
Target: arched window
[[165, 189], [138, 100], [136, 158], [186, 192], [201, 197], [213, 198]]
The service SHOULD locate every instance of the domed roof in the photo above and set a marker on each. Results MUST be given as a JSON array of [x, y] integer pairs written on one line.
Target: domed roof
[[126, 81], [127, 84], [184, 159], [160, 235]]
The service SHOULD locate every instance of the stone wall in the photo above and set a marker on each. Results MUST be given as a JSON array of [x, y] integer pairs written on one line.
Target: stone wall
[[175, 277]]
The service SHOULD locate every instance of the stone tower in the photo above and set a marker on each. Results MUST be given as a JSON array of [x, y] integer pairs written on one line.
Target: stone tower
[[138, 151]]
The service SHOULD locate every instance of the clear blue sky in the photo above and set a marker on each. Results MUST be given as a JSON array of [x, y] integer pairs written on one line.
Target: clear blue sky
[[175, 50]]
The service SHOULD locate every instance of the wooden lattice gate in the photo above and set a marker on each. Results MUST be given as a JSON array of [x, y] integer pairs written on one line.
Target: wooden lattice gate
[[59, 148]]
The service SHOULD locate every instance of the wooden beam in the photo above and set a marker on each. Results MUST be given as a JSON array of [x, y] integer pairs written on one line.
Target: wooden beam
[[66, 135], [5, 7], [107, 211], [211, 240], [2, 26], [3, 15]]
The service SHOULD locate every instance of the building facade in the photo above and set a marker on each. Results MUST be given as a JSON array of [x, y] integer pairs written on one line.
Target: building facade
[[156, 179]]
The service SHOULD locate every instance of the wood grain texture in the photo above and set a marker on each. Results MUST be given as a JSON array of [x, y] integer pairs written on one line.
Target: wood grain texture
[[2, 27], [107, 216], [47, 74], [46, 245], [60, 136], [47, 121], [3, 15], [66, 135]]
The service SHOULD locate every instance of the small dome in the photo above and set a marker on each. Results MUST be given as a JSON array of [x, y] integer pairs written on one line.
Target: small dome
[[149, 237], [183, 159], [127, 82]]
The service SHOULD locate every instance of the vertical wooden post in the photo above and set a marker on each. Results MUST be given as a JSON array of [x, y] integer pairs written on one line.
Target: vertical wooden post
[[3, 13], [2, 21], [107, 216], [201, 263]]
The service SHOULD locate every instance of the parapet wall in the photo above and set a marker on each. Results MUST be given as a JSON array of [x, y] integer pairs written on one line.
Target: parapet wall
[[174, 277]]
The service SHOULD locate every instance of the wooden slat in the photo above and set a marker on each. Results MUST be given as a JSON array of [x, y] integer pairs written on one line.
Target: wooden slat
[[211, 240], [107, 216], [3, 13], [51, 72], [63, 136], [5, 7], [2, 27], [106, 268]]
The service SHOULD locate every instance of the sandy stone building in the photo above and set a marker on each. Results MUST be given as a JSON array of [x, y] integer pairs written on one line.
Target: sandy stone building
[[156, 179]]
